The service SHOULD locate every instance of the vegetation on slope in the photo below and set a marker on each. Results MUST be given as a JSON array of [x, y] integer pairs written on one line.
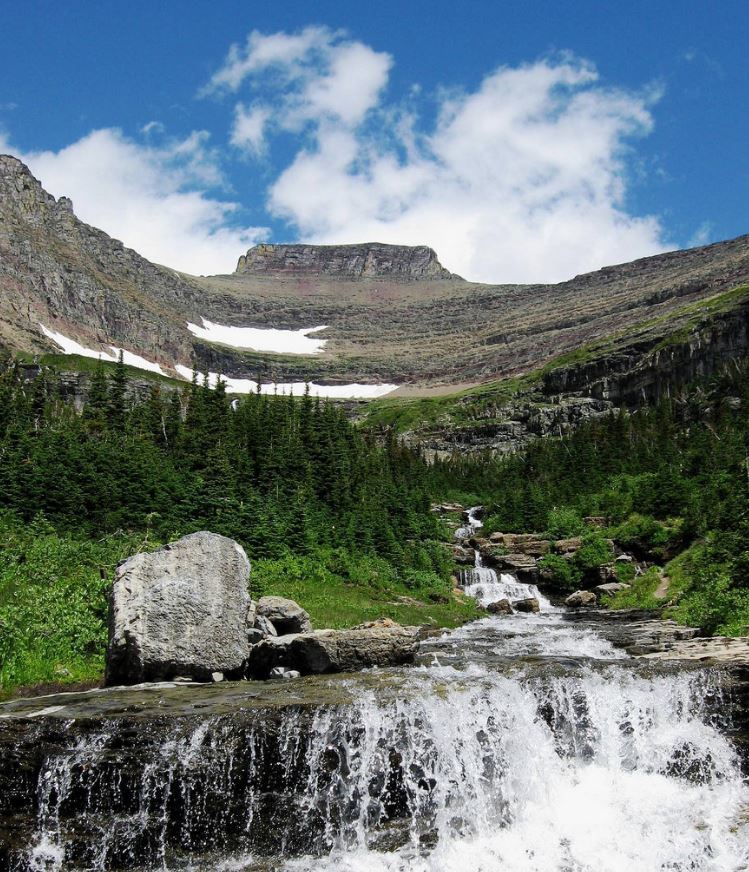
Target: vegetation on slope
[[326, 515], [671, 480]]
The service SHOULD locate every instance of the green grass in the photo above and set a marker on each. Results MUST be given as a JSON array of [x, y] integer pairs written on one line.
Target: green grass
[[53, 604], [53, 597], [640, 595], [341, 591], [88, 365]]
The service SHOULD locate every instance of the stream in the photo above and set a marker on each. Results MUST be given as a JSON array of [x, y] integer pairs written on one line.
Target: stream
[[527, 743]]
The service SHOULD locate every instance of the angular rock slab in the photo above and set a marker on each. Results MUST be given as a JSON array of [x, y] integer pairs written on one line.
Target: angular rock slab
[[335, 650], [181, 610]]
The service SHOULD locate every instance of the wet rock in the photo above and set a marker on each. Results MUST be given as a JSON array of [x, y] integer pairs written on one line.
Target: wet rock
[[637, 631], [717, 649], [285, 615], [581, 598], [529, 605], [522, 566], [500, 607], [181, 610], [334, 650], [611, 588]]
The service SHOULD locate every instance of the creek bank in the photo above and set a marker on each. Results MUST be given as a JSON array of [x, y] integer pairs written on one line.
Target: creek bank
[[184, 612]]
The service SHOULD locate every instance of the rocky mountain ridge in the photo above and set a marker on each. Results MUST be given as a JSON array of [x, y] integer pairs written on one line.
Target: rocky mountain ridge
[[369, 260], [510, 361]]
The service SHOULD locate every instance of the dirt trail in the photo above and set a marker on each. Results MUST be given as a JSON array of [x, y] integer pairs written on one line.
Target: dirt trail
[[662, 589]]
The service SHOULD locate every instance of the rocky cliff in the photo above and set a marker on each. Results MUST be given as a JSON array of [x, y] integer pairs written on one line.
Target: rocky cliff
[[370, 260], [393, 315]]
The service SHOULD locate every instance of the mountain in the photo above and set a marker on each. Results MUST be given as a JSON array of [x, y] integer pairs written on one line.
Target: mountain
[[373, 314]]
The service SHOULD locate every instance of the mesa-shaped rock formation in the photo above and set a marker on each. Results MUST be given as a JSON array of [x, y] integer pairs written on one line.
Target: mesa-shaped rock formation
[[367, 260]]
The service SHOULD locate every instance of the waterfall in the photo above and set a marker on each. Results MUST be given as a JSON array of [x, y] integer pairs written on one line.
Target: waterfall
[[438, 770], [473, 523], [521, 743], [483, 584]]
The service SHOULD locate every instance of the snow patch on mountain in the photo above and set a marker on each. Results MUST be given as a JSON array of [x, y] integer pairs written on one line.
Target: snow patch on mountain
[[70, 346], [261, 339]]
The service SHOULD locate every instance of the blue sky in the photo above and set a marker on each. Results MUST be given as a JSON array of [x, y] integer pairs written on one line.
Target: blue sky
[[524, 141]]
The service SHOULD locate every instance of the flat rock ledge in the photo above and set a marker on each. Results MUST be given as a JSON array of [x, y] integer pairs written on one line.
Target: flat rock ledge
[[325, 651], [715, 649], [646, 634]]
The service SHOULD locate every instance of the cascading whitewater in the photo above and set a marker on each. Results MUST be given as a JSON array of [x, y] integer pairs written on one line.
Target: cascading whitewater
[[483, 584], [438, 769], [521, 744]]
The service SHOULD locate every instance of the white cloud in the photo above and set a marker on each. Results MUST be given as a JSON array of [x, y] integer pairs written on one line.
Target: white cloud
[[248, 130], [314, 74], [261, 51], [523, 180], [153, 198]]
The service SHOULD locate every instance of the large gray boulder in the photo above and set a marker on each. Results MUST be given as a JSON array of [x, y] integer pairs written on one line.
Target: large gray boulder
[[181, 610], [285, 615], [335, 650]]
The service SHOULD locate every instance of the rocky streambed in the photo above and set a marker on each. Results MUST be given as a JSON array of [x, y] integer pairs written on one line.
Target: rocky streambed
[[523, 742]]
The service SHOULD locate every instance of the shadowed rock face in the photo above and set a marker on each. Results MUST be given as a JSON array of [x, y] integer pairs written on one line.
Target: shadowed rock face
[[369, 260]]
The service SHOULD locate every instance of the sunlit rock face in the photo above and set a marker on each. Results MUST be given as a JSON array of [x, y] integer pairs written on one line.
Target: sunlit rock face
[[180, 611], [368, 260]]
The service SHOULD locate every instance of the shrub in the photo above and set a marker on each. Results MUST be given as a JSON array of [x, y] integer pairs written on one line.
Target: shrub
[[559, 573], [595, 551], [647, 538], [564, 522]]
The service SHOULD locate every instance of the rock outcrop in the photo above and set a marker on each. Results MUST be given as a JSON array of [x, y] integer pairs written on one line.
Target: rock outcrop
[[285, 615], [581, 598], [529, 605], [326, 651], [180, 611], [367, 260], [500, 607]]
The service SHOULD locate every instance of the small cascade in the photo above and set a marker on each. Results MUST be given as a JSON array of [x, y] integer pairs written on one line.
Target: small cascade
[[472, 525], [484, 585]]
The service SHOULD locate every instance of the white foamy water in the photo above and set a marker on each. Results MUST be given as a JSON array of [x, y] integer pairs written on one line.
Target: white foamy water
[[260, 338], [610, 772], [520, 744]]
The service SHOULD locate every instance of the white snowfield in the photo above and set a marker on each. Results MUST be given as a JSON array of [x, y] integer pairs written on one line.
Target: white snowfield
[[259, 339], [70, 346], [248, 386], [233, 385]]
